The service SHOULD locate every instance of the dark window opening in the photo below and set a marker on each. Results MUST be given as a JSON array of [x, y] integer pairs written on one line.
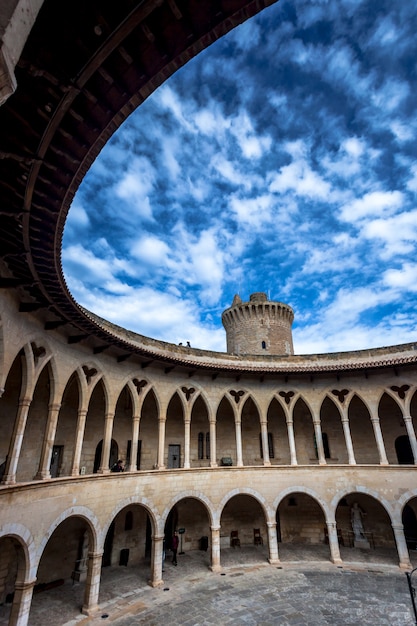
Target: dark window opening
[[201, 445], [129, 520]]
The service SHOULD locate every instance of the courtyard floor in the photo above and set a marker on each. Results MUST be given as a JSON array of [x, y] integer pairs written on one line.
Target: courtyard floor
[[304, 589]]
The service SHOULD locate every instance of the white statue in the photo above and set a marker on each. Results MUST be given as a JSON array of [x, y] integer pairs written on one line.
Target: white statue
[[356, 517]]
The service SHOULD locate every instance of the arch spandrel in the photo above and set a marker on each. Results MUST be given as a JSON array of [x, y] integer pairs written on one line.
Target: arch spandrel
[[84, 513], [26, 541]]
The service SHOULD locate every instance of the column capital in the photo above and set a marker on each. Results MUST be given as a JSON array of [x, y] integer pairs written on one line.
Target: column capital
[[95, 555], [25, 585], [330, 524], [54, 407]]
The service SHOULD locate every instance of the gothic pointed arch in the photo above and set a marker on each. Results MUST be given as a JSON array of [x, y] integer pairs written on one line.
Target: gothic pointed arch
[[148, 430], [277, 426], [393, 428], [362, 432], [334, 444], [200, 434], [305, 442], [226, 432], [251, 433]]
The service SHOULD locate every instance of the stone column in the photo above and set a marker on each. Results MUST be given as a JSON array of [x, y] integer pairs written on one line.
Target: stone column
[[75, 470], [9, 477], [48, 443], [401, 546], [133, 466], [19, 614], [156, 561], [215, 549], [333, 543], [92, 584], [379, 441], [408, 421], [291, 440], [105, 452], [213, 462], [187, 424], [319, 441], [348, 440], [272, 543], [264, 438], [239, 457], [160, 464]]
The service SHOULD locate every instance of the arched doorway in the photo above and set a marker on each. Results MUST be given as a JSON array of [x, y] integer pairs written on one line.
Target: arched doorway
[[243, 534], [375, 543], [302, 529], [190, 518]]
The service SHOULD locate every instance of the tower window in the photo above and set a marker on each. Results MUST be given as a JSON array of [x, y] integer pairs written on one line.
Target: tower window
[[264, 345]]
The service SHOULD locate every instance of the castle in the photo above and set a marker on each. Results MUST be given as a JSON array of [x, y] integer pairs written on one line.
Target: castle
[[214, 444]]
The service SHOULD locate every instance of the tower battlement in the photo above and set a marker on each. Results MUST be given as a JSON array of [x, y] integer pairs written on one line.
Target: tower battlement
[[260, 326]]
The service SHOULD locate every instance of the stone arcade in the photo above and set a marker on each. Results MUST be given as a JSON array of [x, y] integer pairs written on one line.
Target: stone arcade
[[255, 438]]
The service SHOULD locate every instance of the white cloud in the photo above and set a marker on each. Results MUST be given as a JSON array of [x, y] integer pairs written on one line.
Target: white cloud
[[404, 278], [398, 234], [301, 179], [253, 212], [77, 217], [374, 203], [150, 250], [252, 145], [135, 187]]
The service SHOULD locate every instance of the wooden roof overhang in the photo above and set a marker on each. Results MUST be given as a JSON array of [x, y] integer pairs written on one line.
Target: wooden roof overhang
[[84, 68]]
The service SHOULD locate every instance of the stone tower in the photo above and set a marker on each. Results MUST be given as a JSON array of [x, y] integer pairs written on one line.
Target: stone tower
[[259, 326]]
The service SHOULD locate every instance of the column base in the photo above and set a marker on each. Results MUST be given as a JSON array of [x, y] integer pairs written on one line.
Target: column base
[[405, 565], [337, 561], [42, 475], [89, 610], [215, 568], [155, 583], [8, 480], [274, 561]]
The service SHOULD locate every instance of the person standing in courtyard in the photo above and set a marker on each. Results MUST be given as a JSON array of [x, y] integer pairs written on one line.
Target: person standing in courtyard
[[174, 547]]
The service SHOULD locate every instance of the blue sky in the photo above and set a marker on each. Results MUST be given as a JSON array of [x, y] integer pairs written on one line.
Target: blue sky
[[282, 159]]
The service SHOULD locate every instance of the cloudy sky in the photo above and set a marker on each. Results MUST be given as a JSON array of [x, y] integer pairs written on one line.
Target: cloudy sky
[[282, 159]]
